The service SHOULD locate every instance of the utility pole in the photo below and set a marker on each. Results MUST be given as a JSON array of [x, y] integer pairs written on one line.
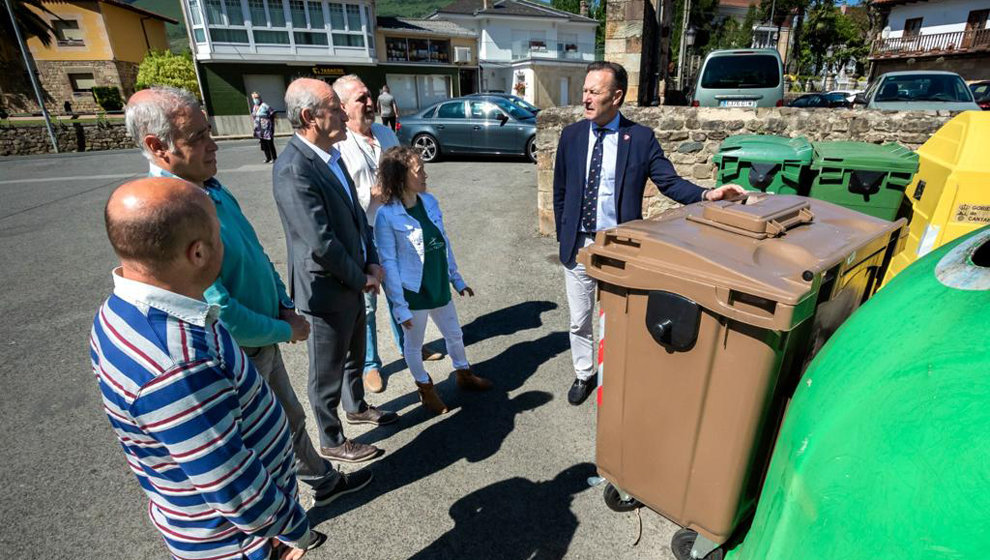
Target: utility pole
[[30, 71], [681, 51]]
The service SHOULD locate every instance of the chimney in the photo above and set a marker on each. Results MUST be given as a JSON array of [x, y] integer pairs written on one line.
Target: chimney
[[584, 8]]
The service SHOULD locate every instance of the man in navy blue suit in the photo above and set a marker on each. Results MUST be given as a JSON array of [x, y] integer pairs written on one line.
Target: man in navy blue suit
[[598, 180]]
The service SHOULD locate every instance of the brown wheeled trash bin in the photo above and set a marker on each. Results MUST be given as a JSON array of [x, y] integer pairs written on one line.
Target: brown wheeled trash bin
[[711, 312]]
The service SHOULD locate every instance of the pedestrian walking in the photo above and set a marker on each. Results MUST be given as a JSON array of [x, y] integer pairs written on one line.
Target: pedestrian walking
[[253, 303], [387, 107], [200, 429], [600, 172], [419, 269], [361, 152], [264, 126], [332, 263]]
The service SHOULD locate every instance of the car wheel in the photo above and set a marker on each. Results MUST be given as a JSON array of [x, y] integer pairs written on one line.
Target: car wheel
[[531, 149], [429, 148]]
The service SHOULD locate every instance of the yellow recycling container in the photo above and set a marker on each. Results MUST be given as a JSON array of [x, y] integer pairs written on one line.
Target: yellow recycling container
[[950, 194]]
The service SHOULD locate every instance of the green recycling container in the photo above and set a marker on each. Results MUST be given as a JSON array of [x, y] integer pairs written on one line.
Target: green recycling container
[[756, 162], [884, 450], [869, 178]]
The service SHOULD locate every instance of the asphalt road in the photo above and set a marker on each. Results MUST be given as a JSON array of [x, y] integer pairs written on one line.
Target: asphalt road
[[502, 476]]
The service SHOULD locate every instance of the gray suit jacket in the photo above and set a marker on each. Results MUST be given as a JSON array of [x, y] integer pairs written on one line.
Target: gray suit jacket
[[323, 230]]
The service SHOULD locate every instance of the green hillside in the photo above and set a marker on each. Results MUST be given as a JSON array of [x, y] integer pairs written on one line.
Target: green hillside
[[409, 8], [177, 39]]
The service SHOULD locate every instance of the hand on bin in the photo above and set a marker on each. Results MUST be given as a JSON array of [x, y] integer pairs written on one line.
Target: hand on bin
[[731, 190]]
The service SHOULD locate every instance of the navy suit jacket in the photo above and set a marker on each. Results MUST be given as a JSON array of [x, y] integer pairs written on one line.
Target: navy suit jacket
[[638, 157]]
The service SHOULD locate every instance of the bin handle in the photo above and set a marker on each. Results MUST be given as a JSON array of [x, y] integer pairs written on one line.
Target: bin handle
[[723, 296]]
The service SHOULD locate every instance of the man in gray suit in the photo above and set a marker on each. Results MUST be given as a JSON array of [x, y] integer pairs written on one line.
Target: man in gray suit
[[332, 261]]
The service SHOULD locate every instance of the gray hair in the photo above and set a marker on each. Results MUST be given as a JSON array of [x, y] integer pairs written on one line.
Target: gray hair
[[297, 99], [344, 85], [154, 113]]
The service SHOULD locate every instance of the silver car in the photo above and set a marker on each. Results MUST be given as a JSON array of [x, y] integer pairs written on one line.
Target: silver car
[[470, 125], [740, 78], [918, 91]]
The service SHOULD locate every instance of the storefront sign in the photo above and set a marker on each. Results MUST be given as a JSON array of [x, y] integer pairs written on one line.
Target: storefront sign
[[329, 71]]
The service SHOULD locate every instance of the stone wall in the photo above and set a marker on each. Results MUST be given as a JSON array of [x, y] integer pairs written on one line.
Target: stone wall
[[54, 78], [71, 137], [690, 137]]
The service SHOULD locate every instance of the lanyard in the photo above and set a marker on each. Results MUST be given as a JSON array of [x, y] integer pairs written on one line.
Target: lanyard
[[370, 159]]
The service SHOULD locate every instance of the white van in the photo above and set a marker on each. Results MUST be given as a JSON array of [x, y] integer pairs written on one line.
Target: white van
[[740, 78]]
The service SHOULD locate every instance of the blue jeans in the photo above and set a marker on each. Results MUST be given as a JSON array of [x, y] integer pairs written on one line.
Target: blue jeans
[[371, 358]]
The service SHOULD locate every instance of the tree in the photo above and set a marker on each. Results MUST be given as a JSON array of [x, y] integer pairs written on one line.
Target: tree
[[30, 21], [730, 34], [164, 68]]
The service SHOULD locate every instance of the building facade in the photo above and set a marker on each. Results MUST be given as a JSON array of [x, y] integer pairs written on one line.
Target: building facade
[[951, 35], [96, 43], [425, 61], [527, 48]]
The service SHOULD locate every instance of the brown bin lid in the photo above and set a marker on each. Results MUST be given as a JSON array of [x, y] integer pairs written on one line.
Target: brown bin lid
[[759, 250]]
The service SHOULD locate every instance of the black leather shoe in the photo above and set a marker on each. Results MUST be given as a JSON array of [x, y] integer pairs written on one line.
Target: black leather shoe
[[351, 452], [372, 415], [346, 484], [580, 390]]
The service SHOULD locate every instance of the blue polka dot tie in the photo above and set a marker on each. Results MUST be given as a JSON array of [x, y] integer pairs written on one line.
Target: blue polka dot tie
[[589, 204]]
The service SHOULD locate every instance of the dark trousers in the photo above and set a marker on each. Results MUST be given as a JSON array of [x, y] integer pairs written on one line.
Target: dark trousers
[[336, 346], [389, 122], [268, 146]]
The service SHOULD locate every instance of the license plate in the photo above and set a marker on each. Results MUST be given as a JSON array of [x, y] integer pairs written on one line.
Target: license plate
[[736, 103]]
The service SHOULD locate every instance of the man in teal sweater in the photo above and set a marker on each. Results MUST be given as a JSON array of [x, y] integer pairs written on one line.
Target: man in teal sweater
[[254, 305]]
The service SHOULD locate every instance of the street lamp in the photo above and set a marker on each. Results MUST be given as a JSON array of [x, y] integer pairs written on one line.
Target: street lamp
[[690, 35]]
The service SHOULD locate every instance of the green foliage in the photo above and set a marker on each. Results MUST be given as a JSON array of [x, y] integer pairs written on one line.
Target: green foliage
[[31, 23], [108, 98], [702, 18], [164, 68], [826, 27], [596, 11], [408, 8], [730, 34]]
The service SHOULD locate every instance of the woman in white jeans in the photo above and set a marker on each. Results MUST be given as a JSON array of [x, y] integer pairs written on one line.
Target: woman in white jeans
[[419, 268]]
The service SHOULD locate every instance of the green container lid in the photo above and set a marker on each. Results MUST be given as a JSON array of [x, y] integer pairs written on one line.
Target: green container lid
[[891, 157], [763, 148]]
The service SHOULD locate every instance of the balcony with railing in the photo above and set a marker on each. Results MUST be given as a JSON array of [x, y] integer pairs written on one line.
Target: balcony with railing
[[935, 44], [541, 49]]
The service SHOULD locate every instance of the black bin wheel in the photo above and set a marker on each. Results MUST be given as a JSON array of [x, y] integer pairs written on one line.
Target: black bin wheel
[[615, 502], [682, 543]]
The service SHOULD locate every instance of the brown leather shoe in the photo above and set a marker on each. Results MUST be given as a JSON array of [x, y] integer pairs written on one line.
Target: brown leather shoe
[[351, 452], [371, 415], [430, 355], [373, 381], [430, 399], [468, 381]]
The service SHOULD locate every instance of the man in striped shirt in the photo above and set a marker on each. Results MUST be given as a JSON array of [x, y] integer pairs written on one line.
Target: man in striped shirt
[[200, 429]]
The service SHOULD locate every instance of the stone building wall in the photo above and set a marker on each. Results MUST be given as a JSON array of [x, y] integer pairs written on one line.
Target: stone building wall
[[71, 137], [54, 78], [691, 136]]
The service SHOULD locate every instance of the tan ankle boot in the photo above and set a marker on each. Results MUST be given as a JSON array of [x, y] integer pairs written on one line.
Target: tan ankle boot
[[468, 381], [430, 399]]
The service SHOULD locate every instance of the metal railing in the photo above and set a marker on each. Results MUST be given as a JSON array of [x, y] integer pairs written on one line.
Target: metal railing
[[935, 43], [520, 50]]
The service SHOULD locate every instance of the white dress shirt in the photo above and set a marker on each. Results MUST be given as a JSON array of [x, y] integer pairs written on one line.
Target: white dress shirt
[[606, 185], [361, 156]]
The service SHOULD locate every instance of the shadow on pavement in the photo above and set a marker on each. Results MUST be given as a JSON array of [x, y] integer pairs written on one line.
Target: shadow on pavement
[[515, 519], [503, 322], [473, 432]]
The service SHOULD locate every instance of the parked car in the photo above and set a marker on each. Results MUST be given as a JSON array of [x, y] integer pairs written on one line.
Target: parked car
[[848, 94], [740, 78], [981, 93], [819, 100], [514, 99], [474, 124], [918, 91]]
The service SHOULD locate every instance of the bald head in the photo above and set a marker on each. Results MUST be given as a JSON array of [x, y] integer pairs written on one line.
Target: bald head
[[153, 222], [314, 111]]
